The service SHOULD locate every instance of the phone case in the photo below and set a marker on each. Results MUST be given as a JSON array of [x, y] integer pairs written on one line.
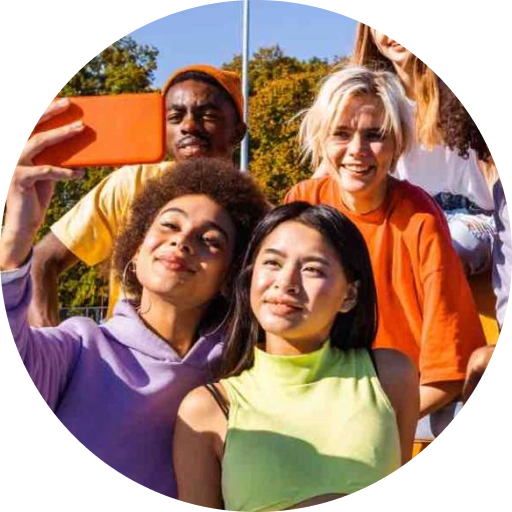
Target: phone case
[[119, 130]]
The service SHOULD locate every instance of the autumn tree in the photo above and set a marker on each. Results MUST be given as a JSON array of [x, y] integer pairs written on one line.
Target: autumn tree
[[280, 88], [123, 67]]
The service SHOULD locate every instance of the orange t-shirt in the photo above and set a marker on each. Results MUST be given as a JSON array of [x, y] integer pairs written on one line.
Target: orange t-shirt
[[426, 308]]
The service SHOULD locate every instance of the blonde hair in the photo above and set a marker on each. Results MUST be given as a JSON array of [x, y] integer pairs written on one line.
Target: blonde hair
[[425, 87], [337, 89]]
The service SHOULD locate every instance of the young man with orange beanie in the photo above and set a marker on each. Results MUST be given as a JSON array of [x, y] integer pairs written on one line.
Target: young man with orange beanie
[[204, 118]]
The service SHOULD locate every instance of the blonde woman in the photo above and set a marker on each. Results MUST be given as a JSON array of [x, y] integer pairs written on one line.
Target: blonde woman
[[359, 127], [456, 183]]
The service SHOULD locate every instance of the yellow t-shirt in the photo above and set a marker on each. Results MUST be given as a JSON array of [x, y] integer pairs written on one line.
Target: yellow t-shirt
[[89, 229]]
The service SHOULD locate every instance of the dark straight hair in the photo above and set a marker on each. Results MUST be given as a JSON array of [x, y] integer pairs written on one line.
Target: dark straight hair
[[355, 329]]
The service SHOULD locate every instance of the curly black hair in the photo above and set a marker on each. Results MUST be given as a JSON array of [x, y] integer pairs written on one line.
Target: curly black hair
[[217, 178], [459, 131]]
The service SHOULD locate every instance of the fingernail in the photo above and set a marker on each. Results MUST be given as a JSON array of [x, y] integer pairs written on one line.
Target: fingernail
[[77, 124], [60, 102]]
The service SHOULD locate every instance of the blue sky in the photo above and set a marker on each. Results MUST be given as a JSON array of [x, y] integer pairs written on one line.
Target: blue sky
[[213, 33]]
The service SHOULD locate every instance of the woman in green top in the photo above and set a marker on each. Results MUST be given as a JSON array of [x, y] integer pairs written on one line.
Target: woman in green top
[[306, 411]]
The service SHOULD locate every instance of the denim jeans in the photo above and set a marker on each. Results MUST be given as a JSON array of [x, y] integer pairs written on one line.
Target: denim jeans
[[472, 229], [473, 238], [430, 426]]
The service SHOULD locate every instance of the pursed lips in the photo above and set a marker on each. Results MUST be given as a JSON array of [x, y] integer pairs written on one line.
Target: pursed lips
[[173, 262]]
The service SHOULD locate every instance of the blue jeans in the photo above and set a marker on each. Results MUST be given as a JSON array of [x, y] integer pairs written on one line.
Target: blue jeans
[[430, 426], [473, 238], [472, 229]]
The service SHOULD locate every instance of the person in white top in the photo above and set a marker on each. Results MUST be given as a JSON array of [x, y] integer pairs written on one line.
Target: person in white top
[[455, 182]]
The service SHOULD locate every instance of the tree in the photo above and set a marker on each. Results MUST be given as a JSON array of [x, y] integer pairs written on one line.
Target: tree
[[280, 88], [123, 67], [275, 159]]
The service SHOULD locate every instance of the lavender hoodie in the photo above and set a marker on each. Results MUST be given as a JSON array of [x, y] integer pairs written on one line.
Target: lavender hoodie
[[115, 386]]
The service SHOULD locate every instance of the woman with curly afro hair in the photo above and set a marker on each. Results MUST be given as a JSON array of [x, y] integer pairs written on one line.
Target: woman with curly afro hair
[[117, 386], [454, 181]]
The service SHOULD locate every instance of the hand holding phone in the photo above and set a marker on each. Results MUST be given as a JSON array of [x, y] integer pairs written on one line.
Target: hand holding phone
[[31, 190], [119, 130]]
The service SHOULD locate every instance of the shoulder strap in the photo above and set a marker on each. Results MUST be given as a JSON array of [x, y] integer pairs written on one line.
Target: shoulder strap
[[374, 363], [224, 407]]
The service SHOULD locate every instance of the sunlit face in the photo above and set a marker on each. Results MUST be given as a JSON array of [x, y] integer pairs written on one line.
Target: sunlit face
[[360, 154], [186, 252], [200, 121], [298, 286], [396, 53]]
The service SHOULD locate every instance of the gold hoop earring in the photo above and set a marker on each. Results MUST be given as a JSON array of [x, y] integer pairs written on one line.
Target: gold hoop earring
[[139, 310], [123, 278]]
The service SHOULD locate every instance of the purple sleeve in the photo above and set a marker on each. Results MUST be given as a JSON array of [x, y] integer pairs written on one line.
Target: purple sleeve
[[49, 353], [502, 253]]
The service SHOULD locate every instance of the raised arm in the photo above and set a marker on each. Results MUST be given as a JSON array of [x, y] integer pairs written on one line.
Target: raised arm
[[48, 354], [31, 190], [50, 258], [84, 233]]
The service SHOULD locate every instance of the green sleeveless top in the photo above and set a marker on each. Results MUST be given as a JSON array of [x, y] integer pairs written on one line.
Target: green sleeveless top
[[304, 426]]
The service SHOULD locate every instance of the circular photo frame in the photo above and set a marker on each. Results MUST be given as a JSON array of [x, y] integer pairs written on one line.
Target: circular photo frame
[[357, 253]]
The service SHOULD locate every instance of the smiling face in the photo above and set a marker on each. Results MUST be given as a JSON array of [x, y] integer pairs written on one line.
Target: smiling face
[[389, 48], [297, 289], [360, 155], [186, 252], [200, 121]]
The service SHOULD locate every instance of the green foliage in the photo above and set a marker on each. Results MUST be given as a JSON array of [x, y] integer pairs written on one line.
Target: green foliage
[[121, 68], [280, 88]]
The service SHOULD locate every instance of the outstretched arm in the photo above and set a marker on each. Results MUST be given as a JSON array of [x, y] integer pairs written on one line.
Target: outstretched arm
[[31, 190], [47, 354]]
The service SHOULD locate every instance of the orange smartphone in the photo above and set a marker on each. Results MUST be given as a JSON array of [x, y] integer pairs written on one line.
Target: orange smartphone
[[119, 130]]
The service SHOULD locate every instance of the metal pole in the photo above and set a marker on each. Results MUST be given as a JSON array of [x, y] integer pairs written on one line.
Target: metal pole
[[244, 149]]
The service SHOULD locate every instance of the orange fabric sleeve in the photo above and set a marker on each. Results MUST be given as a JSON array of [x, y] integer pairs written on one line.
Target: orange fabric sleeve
[[451, 327]]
